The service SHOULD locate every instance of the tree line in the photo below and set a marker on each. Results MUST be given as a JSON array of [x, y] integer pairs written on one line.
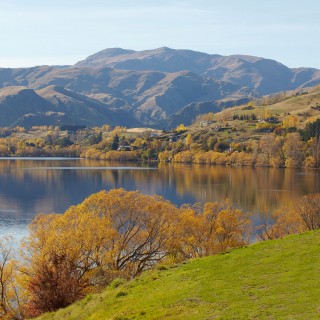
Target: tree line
[[279, 144]]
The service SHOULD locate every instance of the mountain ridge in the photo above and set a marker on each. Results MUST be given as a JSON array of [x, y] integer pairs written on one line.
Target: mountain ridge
[[150, 87]]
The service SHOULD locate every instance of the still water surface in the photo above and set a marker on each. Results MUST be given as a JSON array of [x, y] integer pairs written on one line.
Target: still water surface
[[30, 186]]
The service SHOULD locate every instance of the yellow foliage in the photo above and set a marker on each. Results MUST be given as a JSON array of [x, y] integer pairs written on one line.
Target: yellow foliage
[[189, 139], [184, 157], [310, 163], [181, 127], [291, 121], [211, 228]]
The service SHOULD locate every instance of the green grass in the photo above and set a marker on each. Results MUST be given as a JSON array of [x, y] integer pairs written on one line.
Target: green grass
[[271, 280]]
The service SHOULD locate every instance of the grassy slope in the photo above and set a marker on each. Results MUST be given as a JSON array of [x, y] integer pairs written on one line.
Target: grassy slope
[[302, 106], [271, 280], [296, 105]]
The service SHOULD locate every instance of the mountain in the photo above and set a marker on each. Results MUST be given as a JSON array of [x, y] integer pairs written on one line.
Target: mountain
[[263, 76], [190, 112], [145, 97], [162, 59], [17, 103], [151, 87], [54, 105]]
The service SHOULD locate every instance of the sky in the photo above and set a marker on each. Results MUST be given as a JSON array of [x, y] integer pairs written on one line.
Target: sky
[[38, 32]]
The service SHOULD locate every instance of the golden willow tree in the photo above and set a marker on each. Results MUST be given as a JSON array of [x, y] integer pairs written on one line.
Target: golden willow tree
[[110, 235], [302, 217], [10, 293]]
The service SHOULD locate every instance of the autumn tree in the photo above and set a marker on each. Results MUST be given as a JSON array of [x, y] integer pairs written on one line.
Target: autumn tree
[[55, 284], [181, 127], [140, 227], [284, 222], [189, 139], [308, 209], [303, 216], [272, 153], [294, 150], [211, 228], [313, 146], [291, 122], [10, 307], [111, 234], [267, 147]]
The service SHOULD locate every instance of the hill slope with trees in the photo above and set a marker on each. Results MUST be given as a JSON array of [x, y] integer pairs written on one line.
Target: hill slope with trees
[[271, 280]]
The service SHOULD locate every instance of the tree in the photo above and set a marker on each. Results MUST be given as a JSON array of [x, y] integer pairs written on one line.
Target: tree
[[95, 138], [111, 234], [10, 307], [303, 216], [291, 122], [308, 209], [311, 130], [189, 139], [267, 146], [140, 227], [54, 285], [48, 140], [314, 150], [211, 228], [181, 127], [63, 142], [294, 150], [115, 142]]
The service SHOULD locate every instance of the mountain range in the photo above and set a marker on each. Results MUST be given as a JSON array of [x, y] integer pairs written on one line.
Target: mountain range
[[158, 88]]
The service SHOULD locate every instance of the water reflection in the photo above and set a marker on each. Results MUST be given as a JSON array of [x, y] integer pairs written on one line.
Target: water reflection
[[30, 186]]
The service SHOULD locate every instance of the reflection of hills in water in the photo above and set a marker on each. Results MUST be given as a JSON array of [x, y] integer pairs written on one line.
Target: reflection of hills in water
[[28, 187]]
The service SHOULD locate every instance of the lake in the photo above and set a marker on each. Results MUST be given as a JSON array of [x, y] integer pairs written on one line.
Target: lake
[[29, 186]]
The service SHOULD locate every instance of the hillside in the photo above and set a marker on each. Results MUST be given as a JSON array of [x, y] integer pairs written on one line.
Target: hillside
[[54, 105], [150, 88], [271, 280], [304, 105]]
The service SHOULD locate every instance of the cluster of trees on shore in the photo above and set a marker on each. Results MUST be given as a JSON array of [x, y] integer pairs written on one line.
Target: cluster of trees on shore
[[48, 141], [271, 150], [117, 235], [281, 145]]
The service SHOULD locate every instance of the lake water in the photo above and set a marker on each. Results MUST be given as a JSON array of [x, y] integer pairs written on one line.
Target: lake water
[[31, 186]]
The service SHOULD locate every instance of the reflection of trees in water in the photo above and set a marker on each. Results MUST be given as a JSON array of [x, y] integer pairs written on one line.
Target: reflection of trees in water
[[253, 189], [49, 186], [28, 186]]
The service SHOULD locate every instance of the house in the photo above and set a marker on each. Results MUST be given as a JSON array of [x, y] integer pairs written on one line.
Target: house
[[124, 148]]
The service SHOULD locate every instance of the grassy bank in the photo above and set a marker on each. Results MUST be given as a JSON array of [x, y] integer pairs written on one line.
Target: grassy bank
[[271, 280]]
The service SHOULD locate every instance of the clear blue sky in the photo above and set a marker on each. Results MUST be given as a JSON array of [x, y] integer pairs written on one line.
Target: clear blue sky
[[35, 32]]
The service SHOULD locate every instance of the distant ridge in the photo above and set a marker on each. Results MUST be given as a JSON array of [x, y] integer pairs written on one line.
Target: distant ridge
[[148, 88]]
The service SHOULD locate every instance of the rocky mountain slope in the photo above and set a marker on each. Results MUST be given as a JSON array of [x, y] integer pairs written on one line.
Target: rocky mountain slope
[[131, 88]]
